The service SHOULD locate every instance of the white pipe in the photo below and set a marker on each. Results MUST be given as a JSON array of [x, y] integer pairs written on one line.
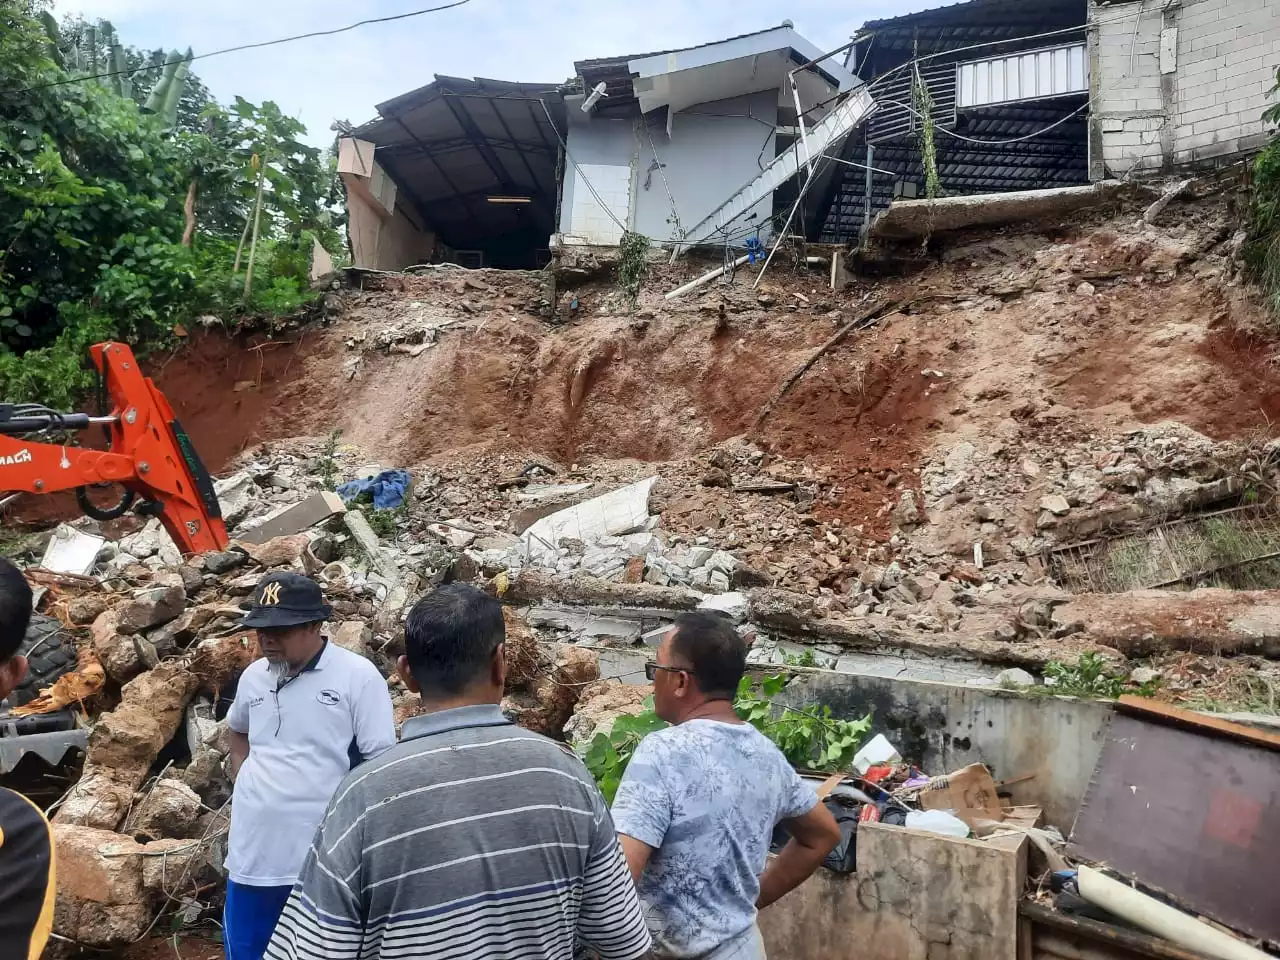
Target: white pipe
[[705, 278], [804, 135], [1162, 920]]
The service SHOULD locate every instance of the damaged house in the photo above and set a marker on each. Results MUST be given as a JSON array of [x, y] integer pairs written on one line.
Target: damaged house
[[732, 142]]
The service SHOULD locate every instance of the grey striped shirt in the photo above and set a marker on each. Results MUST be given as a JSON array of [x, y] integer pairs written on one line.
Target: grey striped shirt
[[472, 838]]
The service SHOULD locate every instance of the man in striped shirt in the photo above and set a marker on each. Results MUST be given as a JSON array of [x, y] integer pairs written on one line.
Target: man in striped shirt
[[472, 838]]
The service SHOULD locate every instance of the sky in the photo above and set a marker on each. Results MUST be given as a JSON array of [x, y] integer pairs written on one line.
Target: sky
[[346, 76]]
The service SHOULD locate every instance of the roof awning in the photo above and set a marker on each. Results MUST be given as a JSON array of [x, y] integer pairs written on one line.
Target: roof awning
[[468, 154]]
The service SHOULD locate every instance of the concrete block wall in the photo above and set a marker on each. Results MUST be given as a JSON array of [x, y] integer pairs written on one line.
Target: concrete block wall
[[1204, 103]]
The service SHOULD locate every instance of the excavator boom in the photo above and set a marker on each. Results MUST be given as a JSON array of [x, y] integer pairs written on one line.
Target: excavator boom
[[150, 455]]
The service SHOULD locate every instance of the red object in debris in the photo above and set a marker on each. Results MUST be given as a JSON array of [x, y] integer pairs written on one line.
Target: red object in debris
[[870, 814], [878, 772]]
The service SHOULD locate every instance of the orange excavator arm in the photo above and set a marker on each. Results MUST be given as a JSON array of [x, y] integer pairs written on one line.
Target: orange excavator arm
[[150, 455]]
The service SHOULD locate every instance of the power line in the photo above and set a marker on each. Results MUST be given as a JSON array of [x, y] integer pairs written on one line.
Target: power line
[[252, 46]]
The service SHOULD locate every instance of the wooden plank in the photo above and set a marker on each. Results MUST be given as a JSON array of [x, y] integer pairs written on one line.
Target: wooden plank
[[1197, 722]]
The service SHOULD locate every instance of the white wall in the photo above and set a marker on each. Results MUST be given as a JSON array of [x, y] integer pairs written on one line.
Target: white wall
[[714, 149], [1187, 86], [603, 153]]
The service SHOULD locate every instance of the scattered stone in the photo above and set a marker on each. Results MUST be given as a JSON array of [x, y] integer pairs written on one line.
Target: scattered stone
[[732, 605], [220, 563], [1086, 289], [1143, 675], [1015, 677], [279, 551], [151, 608], [353, 635], [86, 608], [169, 809], [1055, 504]]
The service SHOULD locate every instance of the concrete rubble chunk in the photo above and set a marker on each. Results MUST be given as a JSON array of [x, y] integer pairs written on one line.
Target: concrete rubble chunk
[[279, 551], [615, 513], [1015, 677], [219, 563], [1055, 504], [117, 652], [732, 605], [124, 744], [600, 704], [101, 898], [295, 518], [353, 635], [236, 495], [86, 608], [151, 608], [169, 808]]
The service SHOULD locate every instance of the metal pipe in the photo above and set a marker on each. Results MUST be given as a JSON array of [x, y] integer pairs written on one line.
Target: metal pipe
[[866, 209], [785, 227], [5, 501]]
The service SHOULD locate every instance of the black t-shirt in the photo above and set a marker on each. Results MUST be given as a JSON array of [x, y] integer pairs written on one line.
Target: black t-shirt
[[26, 877]]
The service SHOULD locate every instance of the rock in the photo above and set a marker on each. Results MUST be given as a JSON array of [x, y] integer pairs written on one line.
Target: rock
[[1055, 504], [219, 563], [125, 741], [906, 515], [192, 579], [236, 494], [716, 477], [181, 632], [1086, 289], [1005, 632], [279, 551], [1143, 675], [117, 653], [732, 605], [718, 581], [170, 863], [102, 901], [1036, 613], [1015, 677], [151, 608], [353, 635], [169, 809], [600, 704], [87, 608], [553, 694]]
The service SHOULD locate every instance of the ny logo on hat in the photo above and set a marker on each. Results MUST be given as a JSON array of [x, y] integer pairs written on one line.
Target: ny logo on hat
[[270, 594]]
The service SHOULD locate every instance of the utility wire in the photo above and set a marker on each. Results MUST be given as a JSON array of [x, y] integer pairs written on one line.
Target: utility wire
[[252, 46]]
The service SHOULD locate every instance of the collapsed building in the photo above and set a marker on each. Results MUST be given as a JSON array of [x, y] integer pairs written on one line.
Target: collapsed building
[[725, 143]]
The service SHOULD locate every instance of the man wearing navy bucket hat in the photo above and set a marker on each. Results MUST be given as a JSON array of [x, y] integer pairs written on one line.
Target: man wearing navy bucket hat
[[303, 716]]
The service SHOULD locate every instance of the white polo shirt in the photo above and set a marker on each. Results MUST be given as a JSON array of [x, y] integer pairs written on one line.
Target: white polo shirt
[[302, 732]]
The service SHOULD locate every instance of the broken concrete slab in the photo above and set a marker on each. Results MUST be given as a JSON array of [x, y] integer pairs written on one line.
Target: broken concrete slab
[[353, 635], [101, 898], [236, 495], [72, 551], [151, 608], [913, 219], [295, 518], [732, 605], [612, 514]]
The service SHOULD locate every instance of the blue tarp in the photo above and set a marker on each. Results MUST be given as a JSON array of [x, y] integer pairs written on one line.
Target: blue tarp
[[388, 489]]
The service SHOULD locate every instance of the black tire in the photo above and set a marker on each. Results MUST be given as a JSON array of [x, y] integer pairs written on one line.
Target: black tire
[[50, 652]]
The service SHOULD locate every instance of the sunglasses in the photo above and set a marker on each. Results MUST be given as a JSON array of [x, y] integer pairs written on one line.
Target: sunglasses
[[651, 670]]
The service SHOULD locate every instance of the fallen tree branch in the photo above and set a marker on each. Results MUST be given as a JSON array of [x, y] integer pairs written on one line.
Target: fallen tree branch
[[863, 320]]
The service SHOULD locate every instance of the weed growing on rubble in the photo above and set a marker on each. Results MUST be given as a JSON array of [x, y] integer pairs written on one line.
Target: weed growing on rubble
[[327, 462], [1262, 254], [810, 738], [383, 522], [1088, 677], [633, 264]]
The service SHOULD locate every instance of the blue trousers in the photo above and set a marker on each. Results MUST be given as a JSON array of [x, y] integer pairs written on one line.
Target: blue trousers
[[249, 918]]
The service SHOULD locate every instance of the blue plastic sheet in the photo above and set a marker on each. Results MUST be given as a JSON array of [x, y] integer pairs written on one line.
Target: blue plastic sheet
[[388, 489]]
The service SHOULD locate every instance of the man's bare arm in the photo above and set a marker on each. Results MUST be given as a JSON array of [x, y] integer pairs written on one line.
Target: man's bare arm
[[239, 751], [637, 854], [813, 836]]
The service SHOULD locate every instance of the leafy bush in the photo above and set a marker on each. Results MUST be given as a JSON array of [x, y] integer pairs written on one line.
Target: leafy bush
[[95, 242], [808, 738], [1088, 677], [1262, 253]]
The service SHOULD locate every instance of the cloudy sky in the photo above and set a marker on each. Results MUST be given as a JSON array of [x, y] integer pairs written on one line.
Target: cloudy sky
[[344, 76]]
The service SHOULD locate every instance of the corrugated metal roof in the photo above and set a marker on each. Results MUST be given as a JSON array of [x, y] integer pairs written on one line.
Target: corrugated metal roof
[[453, 143]]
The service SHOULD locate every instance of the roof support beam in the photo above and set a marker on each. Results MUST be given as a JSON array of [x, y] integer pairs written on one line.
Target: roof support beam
[[533, 177], [491, 160], [427, 152]]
